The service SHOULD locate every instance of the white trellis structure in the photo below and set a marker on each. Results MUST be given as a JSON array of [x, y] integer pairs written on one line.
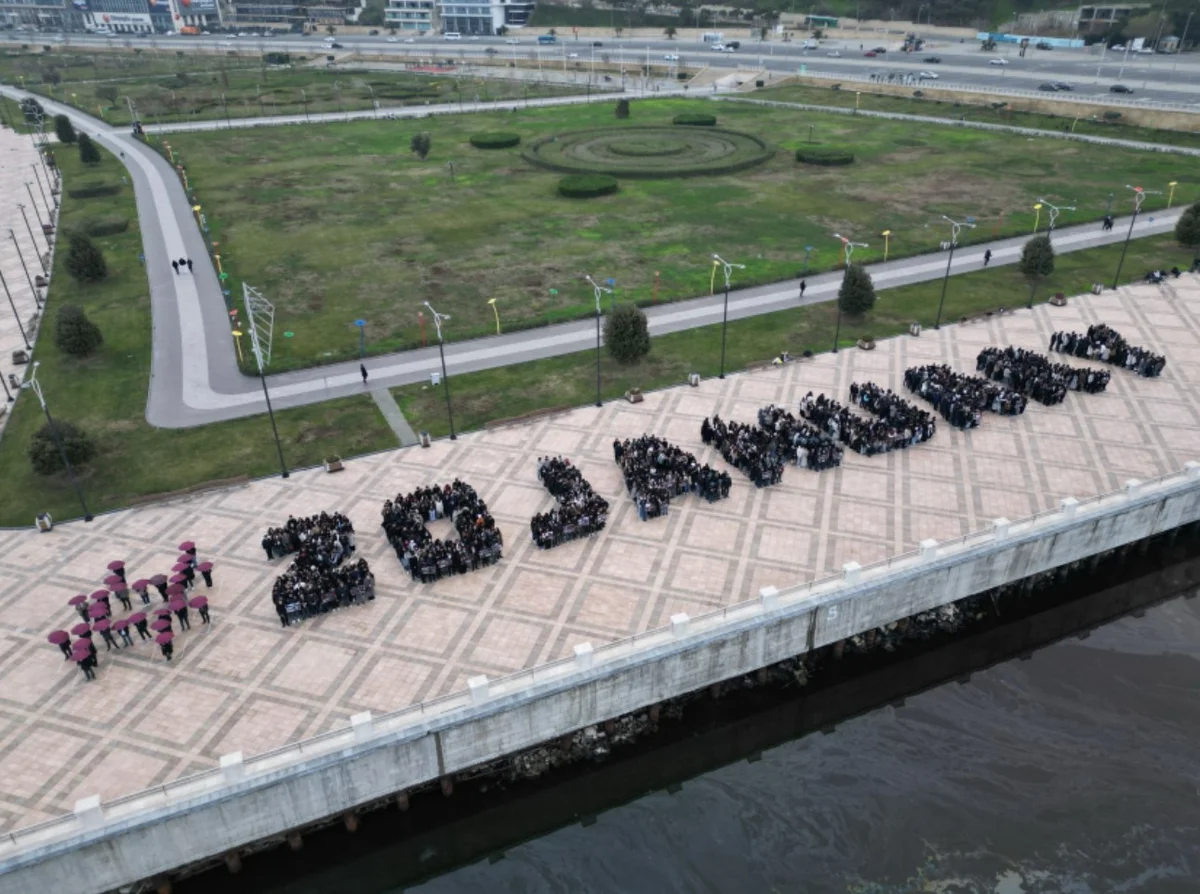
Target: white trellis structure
[[260, 318]]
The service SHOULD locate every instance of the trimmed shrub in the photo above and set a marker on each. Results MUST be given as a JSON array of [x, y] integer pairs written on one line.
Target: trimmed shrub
[[1187, 228], [43, 452], [695, 119], [857, 292], [420, 144], [63, 129], [627, 334], [92, 189], [1037, 257], [85, 262], [99, 227], [587, 186], [88, 153], [828, 156], [107, 92], [74, 333], [622, 110], [495, 140], [1111, 116]]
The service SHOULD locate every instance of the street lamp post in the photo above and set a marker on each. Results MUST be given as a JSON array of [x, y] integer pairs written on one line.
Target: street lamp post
[[29, 279], [887, 238], [36, 213], [727, 269], [1055, 211], [304, 99], [16, 316], [955, 229], [1139, 196], [597, 291], [492, 302], [34, 241], [1037, 217], [1171, 194], [848, 247], [808, 249], [41, 189], [36, 387], [437, 322]]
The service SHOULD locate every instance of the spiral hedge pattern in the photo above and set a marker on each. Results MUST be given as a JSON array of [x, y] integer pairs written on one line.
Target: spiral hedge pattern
[[649, 152]]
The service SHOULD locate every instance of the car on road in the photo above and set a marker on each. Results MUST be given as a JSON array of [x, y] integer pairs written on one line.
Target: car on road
[[879, 50], [393, 40], [409, 40], [721, 48], [1043, 45], [512, 40], [928, 76], [597, 43], [671, 57], [1119, 48], [834, 54], [1120, 88], [1047, 88], [572, 55], [932, 60], [997, 62], [870, 54], [336, 46], [1062, 85]]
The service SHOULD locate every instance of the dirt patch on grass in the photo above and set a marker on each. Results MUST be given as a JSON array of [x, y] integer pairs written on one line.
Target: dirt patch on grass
[[938, 190]]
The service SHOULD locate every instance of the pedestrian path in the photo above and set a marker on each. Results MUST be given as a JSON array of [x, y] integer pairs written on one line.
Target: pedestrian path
[[392, 413]]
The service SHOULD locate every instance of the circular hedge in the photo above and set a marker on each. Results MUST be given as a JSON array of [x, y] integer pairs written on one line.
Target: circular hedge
[[587, 186], [825, 155], [494, 139], [649, 152], [695, 119]]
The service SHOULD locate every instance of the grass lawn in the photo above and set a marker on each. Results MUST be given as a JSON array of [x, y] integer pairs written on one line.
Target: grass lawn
[[196, 87], [981, 110], [570, 380], [106, 395], [344, 222]]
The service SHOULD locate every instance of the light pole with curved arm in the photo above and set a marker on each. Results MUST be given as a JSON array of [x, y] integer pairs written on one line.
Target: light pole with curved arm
[[598, 290], [955, 228], [727, 269], [1055, 211], [1139, 196], [437, 322], [848, 248]]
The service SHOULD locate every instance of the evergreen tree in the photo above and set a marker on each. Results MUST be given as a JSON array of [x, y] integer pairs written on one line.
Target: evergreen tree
[[43, 451], [64, 129], [74, 333], [85, 261], [1187, 230], [1037, 260], [88, 153], [857, 293], [627, 334], [622, 110], [421, 144]]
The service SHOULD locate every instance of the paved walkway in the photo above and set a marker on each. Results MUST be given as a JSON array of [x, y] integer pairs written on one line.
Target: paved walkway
[[194, 374], [394, 417], [247, 684]]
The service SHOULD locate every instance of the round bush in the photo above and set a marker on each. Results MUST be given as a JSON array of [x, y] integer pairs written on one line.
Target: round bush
[[587, 186], [494, 140], [824, 155], [649, 152], [43, 450], [695, 119]]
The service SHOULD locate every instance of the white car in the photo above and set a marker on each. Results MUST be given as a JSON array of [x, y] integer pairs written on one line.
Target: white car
[[718, 47], [834, 54], [1119, 48], [671, 57], [928, 75], [572, 55], [512, 40], [393, 40], [997, 62]]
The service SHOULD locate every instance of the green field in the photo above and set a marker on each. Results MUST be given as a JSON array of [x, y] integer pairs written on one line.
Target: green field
[[106, 395], [345, 223], [570, 381]]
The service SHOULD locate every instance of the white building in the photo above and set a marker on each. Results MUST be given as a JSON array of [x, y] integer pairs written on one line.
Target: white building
[[484, 16], [410, 15]]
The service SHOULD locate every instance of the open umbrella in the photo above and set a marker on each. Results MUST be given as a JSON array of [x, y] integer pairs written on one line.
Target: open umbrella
[[180, 568], [101, 625], [137, 617], [163, 638], [158, 580], [175, 591], [178, 579], [141, 584], [204, 566], [112, 580], [119, 589], [99, 594], [77, 600], [187, 546], [81, 630], [176, 605], [162, 612], [98, 610], [198, 602], [79, 656], [120, 624], [160, 625], [115, 565], [58, 637]]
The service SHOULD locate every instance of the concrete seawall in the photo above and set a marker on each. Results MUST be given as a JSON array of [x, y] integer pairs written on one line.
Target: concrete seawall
[[143, 835]]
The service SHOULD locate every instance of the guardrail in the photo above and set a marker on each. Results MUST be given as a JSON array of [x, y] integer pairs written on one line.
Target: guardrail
[[416, 719]]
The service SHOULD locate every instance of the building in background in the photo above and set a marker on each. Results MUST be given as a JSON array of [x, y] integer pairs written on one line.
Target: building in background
[[410, 15], [30, 14], [484, 17]]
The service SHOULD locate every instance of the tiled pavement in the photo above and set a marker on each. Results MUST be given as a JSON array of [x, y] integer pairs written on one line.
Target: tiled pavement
[[246, 684], [17, 158]]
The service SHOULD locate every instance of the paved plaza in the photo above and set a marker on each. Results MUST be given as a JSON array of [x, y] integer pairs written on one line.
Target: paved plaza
[[17, 160], [247, 684]]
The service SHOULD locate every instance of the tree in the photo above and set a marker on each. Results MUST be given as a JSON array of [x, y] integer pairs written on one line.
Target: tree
[[107, 93], [421, 145], [85, 262], [857, 293], [502, 30], [1037, 260], [51, 76], [619, 30], [331, 29], [670, 32], [553, 32], [622, 110], [74, 333], [64, 129], [32, 110], [1187, 230], [88, 153], [627, 334], [43, 452]]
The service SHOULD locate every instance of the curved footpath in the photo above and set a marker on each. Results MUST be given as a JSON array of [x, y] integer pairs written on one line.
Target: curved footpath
[[194, 376]]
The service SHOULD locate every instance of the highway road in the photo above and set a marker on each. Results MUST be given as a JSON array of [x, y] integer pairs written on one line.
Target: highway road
[[1171, 79]]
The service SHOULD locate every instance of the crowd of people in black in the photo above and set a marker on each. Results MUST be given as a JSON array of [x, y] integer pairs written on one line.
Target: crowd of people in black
[[1105, 344], [316, 583], [581, 512], [750, 449], [331, 533], [1036, 377], [479, 541], [914, 424], [960, 399], [868, 436], [809, 448], [656, 470]]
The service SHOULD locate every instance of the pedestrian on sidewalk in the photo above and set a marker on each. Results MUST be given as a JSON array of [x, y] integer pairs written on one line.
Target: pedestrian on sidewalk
[[182, 262], [803, 286], [362, 368], [987, 257], [189, 262], [175, 264]]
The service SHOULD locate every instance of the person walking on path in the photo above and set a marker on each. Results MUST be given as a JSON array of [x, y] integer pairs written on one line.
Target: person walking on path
[[175, 264], [189, 263], [803, 286], [362, 368], [182, 263], [987, 257]]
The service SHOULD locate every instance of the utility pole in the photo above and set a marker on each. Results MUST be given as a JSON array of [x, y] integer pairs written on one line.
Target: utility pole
[[437, 322], [597, 290], [727, 268], [955, 227]]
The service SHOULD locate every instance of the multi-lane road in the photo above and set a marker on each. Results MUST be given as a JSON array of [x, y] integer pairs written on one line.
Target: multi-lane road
[[1090, 72]]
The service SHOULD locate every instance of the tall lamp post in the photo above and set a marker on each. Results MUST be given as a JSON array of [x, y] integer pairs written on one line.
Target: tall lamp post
[[1055, 211], [848, 248], [36, 387], [727, 269], [437, 322], [362, 338], [955, 229], [1139, 196], [598, 290], [16, 316], [258, 310]]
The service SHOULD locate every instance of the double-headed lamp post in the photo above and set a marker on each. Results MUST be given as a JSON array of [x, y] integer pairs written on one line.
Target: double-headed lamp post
[[848, 248], [955, 229], [1055, 211], [1139, 196], [727, 269], [437, 322], [598, 290], [36, 387]]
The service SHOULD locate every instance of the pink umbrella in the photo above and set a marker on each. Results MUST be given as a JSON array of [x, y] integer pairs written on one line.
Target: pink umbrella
[[179, 570], [98, 610], [100, 594], [81, 629], [179, 579], [77, 600], [161, 624], [80, 655], [112, 579], [187, 546], [158, 579], [175, 590], [204, 566], [137, 617], [58, 637], [165, 637], [121, 624], [141, 584], [163, 612], [115, 565], [176, 605], [118, 587], [101, 625], [198, 602]]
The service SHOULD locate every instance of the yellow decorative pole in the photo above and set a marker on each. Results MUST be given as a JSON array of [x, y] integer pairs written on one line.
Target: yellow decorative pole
[[237, 334], [217, 258], [170, 151], [1037, 218], [196, 211], [1171, 194], [887, 236], [712, 280], [492, 302]]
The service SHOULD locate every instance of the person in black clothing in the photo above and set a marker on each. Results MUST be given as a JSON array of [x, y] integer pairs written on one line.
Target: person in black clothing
[[182, 615], [581, 512], [312, 587], [987, 257], [175, 264], [362, 368], [143, 629], [109, 642], [656, 470], [189, 265], [1105, 344], [479, 541], [333, 533], [1035, 376], [961, 400], [751, 449]]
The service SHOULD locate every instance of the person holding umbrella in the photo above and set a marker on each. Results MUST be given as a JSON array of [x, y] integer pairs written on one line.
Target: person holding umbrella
[[160, 583], [117, 567], [61, 639], [122, 627], [179, 606], [141, 587], [164, 643], [200, 603], [79, 603], [97, 610], [86, 663], [205, 568], [122, 593], [138, 620], [104, 626], [188, 547]]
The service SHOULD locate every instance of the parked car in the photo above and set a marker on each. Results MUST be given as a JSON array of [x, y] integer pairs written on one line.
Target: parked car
[[597, 43], [1120, 88], [928, 76], [409, 40], [572, 55], [997, 62], [393, 40], [1119, 48], [880, 50], [336, 46], [374, 32], [1043, 45], [834, 54], [933, 60], [512, 40]]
